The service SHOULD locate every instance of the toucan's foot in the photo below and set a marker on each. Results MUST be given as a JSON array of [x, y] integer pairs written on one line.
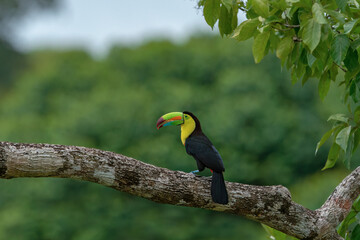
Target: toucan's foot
[[195, 171]]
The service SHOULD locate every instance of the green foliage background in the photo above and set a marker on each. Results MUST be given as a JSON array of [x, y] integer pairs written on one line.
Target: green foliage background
[[265, 129]]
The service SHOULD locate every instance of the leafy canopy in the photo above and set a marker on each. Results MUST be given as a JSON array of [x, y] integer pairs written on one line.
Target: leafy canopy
[[313, 39]]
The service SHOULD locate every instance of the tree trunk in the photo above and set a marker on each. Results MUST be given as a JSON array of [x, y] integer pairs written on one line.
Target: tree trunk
[[271, 205]]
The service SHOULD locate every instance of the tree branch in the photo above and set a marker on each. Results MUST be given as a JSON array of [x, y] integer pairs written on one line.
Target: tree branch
[[339, 66], [291, 25], [271, 205]]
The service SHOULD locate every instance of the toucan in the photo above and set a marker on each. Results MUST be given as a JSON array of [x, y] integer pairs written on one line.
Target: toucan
[[201, 148]]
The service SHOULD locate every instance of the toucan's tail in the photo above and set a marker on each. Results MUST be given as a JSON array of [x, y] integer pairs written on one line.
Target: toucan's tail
[[218, 188]]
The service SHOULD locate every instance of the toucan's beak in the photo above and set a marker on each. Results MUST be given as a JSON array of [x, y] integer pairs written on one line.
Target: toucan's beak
[[173, 118]]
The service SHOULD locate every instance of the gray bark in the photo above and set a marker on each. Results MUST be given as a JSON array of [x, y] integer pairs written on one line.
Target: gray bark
[[271, 205]]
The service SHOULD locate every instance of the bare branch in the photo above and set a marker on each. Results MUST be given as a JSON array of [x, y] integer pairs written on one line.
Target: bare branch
[[291, 25], [338, 205], [288, 26], [243, 9], [271, 205], [296, 39]]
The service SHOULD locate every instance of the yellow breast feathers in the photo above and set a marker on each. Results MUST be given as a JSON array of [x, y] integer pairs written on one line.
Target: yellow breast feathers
[[187, 127]]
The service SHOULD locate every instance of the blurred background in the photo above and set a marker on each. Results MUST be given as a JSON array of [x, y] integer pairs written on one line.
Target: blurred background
[[100, 73]]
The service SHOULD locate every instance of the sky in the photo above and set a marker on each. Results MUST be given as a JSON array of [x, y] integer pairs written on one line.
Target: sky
[[96, 25]]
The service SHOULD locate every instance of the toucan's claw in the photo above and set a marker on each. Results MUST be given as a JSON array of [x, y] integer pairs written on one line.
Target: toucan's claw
[[195, 171]]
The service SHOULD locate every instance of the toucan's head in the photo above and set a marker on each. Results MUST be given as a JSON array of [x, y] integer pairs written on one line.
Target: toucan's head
[[177, 118], [188, 122]]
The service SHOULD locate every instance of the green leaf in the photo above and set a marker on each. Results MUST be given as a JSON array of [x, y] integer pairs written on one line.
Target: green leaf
[[357, 115], [300, 70], [211, 12], [338, 16], [321, 51], [357, 81], [303, 56], [333, 72], [339, 47], [355, 235], [311, 34], [285, 47], [356, 139], [343, 227], [225, 21], [273, 19], [351, 62], [324, 85], [355, 44], [339, 117], [228, 4], [274, 41], [318, 13], [294, 78], [341, 4], [261, 7], [356, 204], [234, 20], [279, 4], [350, 25], [311, 59], [352, 91], [332, 156], [349, 151], [343, 137], [259, 45], [246, 29], [324, 138], [294, 56], [306, 76], [346, 97]]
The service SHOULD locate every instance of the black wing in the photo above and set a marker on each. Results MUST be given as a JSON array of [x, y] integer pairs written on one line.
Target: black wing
[[203, 151]]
